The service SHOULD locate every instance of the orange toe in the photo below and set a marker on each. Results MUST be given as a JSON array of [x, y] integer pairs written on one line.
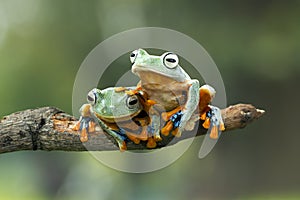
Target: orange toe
[[214, 133], [176, 132], [76, 126], [203, 116], [151, 143], [167, 128], [222, 127], [92, 127], [83, 136], [123, 146], [206, 123]]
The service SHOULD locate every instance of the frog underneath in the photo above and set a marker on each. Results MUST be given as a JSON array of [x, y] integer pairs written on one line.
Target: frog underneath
[[121, 115]]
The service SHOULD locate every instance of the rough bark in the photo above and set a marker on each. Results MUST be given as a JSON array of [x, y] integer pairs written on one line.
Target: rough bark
[[50, 129]]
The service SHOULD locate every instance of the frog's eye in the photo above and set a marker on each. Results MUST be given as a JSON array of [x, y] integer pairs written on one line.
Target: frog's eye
[[171, 60], [91, 97], [133, 56], [132, 102]]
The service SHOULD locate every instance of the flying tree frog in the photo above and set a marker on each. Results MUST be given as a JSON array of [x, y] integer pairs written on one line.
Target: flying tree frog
[[121, 115], [167, 84]]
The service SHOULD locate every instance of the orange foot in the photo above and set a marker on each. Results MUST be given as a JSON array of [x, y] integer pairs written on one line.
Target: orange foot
[[222, 127], [206, 123], [133, 137], [76, 126], [176, 132], [151, 143], [167, 128], [214, 134], [123, 146], [83, 135], [92, 126]]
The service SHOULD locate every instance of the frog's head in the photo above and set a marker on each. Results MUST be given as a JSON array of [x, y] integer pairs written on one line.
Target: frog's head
[[153, 67], [111, 105]]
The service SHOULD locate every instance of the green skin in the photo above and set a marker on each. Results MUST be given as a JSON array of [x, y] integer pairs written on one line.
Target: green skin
[[111, 106], [169, 87]]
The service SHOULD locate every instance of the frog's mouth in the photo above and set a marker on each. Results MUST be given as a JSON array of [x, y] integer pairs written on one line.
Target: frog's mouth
[[113, 119], [151, 76]]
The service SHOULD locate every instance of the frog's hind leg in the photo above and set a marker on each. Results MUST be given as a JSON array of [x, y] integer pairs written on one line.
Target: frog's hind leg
[[215, 129], [167, 115], [119, 136]]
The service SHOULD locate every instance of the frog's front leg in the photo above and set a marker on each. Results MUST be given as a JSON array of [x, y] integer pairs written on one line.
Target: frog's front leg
[[86, 123], [155, 127], [190, 105]]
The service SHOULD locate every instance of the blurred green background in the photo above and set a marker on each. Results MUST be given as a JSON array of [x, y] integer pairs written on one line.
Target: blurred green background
[[256, 46]]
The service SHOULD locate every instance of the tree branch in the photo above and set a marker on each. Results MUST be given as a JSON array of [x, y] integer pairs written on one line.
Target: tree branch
[[49, 129]]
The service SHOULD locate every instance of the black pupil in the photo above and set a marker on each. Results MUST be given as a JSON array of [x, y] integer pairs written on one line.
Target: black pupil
[[90, 98], [132, 102], [172, 60], [132, 55]]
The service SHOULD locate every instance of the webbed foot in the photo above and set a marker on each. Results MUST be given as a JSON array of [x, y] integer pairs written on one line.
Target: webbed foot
[[167, 128], [120, 138], [85, 124], [83, 135], [214, 122], [151, 144], [173, 125]]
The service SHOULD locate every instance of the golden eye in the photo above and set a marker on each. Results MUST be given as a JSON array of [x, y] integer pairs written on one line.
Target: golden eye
[[171, 60], [133, 56]]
